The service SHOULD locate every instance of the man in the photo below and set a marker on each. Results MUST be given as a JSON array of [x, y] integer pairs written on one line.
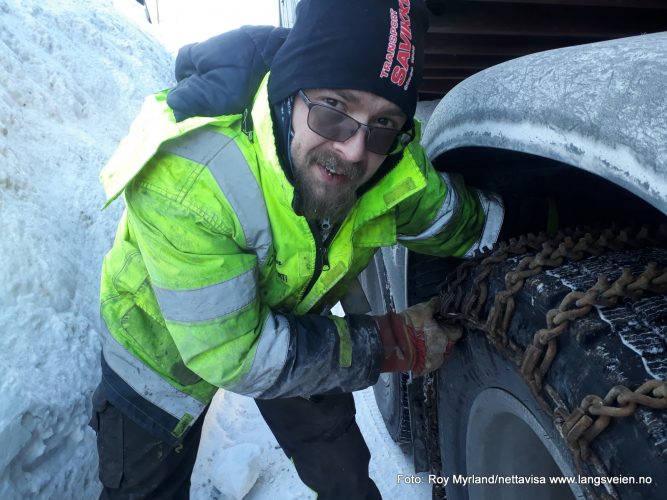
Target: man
[[239, 234]]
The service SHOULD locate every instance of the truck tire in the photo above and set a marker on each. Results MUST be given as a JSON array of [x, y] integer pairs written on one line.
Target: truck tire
[[391, 390], [391, 396], [495, 429]]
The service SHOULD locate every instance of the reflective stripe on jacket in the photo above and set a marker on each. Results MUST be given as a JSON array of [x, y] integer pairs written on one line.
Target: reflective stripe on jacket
[[206, 283]]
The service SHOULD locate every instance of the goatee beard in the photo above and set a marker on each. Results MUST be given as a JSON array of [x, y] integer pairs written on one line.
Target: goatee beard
[[319, 202]]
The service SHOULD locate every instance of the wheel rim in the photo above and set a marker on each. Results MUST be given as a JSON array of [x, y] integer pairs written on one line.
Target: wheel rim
[[505, 439]]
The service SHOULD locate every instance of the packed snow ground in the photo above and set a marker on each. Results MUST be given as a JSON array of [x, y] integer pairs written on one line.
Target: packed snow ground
[[72, 77]]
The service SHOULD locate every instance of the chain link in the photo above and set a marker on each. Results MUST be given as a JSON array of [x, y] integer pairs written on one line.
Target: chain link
[[594, 414], [579, 304], [580, 428]]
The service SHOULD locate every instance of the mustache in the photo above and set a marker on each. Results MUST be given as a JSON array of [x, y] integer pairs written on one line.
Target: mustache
[[333, 162]]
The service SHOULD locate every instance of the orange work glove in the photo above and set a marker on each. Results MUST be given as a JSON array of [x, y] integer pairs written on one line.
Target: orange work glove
[[414, 341]]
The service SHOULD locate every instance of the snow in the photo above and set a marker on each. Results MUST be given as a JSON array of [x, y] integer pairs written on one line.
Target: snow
[[184, 22], [72, 77]]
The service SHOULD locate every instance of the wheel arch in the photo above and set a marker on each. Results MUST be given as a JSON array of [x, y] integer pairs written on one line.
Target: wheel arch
[[599, 108]]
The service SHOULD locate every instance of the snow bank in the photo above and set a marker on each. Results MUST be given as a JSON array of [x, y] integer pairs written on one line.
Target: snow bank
[[71, 79]]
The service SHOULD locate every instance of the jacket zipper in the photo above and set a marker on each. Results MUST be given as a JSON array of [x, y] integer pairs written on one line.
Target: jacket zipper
[[321, 256]]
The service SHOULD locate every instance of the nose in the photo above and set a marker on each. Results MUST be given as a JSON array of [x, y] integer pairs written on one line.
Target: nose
[[354, 149]]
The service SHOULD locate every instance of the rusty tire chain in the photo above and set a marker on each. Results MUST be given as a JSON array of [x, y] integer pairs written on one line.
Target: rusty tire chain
[[578, 428]]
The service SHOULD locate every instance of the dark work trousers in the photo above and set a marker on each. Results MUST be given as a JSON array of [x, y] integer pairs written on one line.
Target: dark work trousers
[[321, 436], [135, 465]]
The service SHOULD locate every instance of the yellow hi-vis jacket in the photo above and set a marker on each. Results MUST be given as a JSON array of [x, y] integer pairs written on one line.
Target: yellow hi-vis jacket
[[213, 279]]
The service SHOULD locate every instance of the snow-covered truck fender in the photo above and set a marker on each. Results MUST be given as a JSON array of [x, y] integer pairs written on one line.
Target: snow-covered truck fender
[[599, 107]]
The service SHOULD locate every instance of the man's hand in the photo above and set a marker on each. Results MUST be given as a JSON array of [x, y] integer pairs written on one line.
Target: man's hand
[[413, 340]]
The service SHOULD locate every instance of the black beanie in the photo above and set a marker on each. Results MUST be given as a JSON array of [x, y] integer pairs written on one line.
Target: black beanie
[[371, 45]]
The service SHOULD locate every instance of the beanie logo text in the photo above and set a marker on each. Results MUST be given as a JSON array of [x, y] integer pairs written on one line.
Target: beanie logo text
[[402, 59]]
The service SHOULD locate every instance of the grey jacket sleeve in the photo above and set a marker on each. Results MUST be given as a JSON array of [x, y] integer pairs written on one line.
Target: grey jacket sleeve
[[312, 354]]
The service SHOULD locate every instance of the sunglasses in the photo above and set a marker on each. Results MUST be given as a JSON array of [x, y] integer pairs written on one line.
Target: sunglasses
[[335, 125]]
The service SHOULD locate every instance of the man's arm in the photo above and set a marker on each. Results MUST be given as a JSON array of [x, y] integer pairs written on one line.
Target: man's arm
[[206, 283], [448, 218], [205, 277]]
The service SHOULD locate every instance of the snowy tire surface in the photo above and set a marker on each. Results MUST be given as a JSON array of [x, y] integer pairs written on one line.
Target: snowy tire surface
[[491, 422], [391, 395]]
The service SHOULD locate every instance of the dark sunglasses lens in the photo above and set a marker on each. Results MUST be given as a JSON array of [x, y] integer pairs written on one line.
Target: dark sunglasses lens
[[382, 141], [331, 124], [337, 126]]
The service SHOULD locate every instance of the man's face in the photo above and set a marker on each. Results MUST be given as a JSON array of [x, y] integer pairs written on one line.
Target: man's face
[[327, 173]]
